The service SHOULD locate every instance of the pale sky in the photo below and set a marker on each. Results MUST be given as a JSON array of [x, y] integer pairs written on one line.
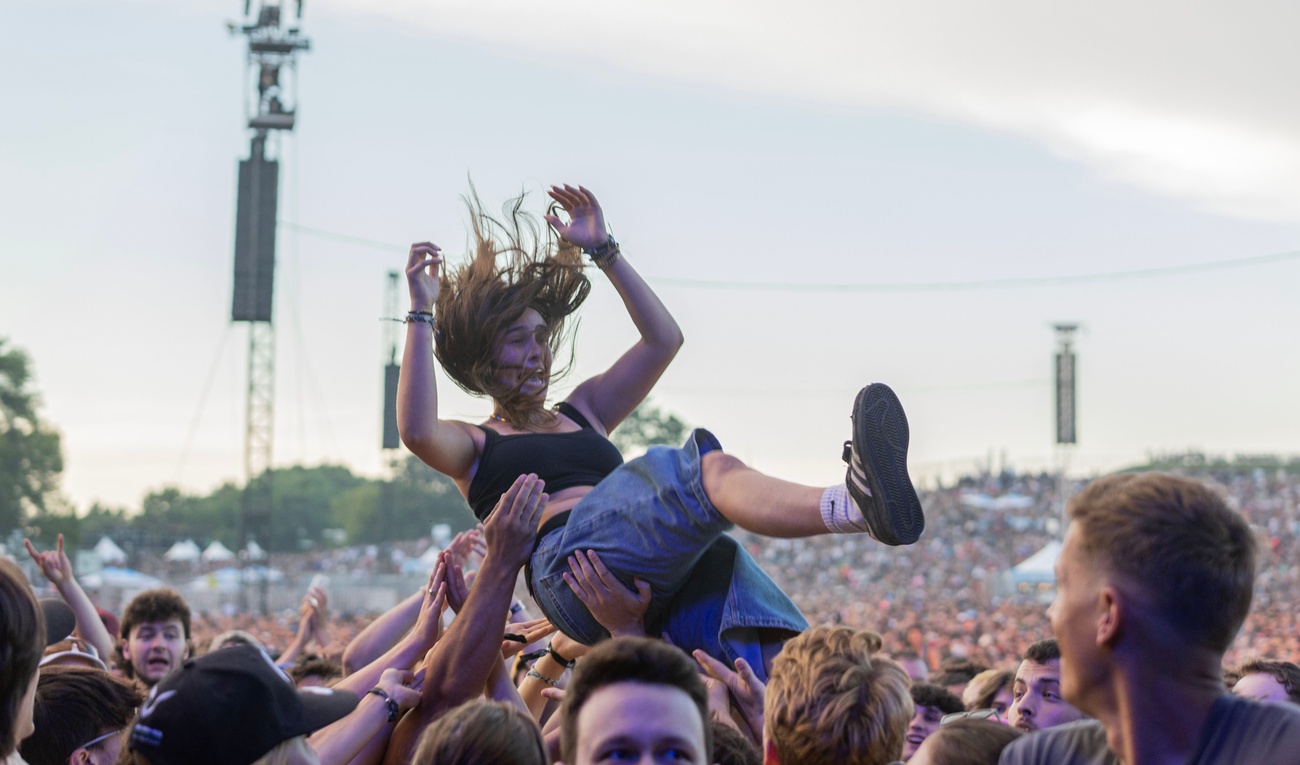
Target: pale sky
[[734, 145]]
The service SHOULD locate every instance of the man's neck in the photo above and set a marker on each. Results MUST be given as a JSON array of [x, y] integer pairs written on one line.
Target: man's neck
[[1155, 717]]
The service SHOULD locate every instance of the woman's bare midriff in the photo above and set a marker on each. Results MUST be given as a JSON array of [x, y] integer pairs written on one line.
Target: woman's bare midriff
[[562, 500]]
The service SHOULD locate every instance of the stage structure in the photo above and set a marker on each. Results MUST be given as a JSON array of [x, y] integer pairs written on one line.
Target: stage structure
[[391, 440], [270, 107], [1066, 436]]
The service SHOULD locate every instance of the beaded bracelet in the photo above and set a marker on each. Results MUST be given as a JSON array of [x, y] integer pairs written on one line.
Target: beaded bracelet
[[605, 255], [421, 317], [543, 678], [388, 702]]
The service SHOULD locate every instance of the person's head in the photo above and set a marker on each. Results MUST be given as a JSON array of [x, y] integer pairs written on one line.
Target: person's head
[[731, 747], [990, 689], [22, 639], [501, 316], [1157, 565], [965, 742], [230, 707], [955, 673], [314, 669], [1269, 680], [832, 700], [913, 665], [1037, 702], [636, 697], [233, 637], [81, 715], [931, 703], [155, 635], [482, 733]]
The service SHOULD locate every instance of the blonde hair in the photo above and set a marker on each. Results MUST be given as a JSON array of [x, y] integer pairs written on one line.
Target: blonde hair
[[832, 701], [482, 733], [518, 263]]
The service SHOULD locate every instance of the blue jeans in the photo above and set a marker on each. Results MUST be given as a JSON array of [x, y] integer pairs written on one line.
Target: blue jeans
[[650, 519]]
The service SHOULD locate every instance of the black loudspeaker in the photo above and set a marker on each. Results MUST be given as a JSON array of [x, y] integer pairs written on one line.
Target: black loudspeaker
[[391, 438], [259, 183]]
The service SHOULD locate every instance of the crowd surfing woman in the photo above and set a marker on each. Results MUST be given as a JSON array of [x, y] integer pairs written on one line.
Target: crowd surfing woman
[[497, 326]]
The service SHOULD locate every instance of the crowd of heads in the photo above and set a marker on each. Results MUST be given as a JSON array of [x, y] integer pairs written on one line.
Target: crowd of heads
[[1154, 583]]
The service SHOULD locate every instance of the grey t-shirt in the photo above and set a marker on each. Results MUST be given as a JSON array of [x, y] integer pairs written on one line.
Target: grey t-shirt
[[1237, 731]]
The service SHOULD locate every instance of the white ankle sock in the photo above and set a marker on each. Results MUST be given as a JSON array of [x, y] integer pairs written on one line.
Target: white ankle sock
[[840, 513]]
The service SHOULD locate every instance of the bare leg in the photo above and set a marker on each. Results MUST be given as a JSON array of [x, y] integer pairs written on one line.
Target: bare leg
[[758, 502]]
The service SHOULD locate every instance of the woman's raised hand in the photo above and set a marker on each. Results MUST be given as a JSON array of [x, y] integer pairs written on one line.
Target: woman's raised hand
[[422, 275], [586, 226]]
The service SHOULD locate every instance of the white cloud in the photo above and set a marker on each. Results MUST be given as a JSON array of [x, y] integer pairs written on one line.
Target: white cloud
[[1194, 100]]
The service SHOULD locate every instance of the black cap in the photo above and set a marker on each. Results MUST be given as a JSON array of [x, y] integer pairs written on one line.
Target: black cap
[[229, 707], [59, 620]]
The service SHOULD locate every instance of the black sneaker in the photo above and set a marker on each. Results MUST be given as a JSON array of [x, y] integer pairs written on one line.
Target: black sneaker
[[877, 459]]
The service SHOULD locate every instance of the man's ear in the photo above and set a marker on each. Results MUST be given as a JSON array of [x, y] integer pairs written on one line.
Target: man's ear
[[1110, 619], [769, 753], [125, 647]]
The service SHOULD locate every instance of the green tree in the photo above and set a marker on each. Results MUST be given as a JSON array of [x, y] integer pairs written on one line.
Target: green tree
[[404, 508], [647, 426], [31, 458]]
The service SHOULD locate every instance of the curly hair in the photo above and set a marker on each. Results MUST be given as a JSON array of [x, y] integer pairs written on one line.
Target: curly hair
[[832, 700], [518, 263]]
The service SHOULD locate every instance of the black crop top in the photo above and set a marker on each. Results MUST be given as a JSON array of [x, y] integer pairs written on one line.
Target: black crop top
[[563, 460]]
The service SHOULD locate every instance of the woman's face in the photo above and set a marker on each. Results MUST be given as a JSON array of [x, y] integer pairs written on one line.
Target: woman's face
[[523, 355]]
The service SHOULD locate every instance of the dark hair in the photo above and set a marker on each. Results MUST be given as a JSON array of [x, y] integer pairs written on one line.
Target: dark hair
[[956, 671], [1177, 540], [731, 747], [1043, 651], [22, 640], [1286, 673], [931, 695], [637, 660], [73, 706], [482, 733], [479, 299], [158, 605], [970, 742], [313, 664]]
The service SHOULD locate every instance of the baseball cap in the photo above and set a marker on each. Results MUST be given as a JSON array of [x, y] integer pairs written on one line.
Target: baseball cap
[[59, 620], [229, 707]]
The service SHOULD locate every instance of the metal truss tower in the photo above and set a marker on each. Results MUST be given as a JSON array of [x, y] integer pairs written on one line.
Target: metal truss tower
[[270, 107]]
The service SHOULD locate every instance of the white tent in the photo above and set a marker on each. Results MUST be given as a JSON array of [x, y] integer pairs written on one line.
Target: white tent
[[109, 552], [1039, 567], [254, 550], [183, 551], [217, 552]]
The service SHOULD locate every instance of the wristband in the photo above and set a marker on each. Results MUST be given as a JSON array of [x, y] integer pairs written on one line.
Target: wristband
[[388, 702], [605, 255], [543, 678], [421, 317], [560, 659]]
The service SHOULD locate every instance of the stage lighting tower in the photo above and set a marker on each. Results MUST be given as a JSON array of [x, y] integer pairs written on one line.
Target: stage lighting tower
[[270, 108]]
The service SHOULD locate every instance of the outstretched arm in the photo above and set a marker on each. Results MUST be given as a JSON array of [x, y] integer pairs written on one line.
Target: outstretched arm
[[612, 395], [56, 567], [445, 446], [457, 669]]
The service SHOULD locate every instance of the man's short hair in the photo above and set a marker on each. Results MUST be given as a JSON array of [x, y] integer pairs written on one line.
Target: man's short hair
[[832, 701], [936, 697], [1286, 673], [970, 741], [1190, 554], [22, 640], [1043, 651], [482, 732], [160, 605], [636, 660], [74, 705]]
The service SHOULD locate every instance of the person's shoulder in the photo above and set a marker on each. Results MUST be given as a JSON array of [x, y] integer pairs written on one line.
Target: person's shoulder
[[1248, 728], [1077, 743]]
